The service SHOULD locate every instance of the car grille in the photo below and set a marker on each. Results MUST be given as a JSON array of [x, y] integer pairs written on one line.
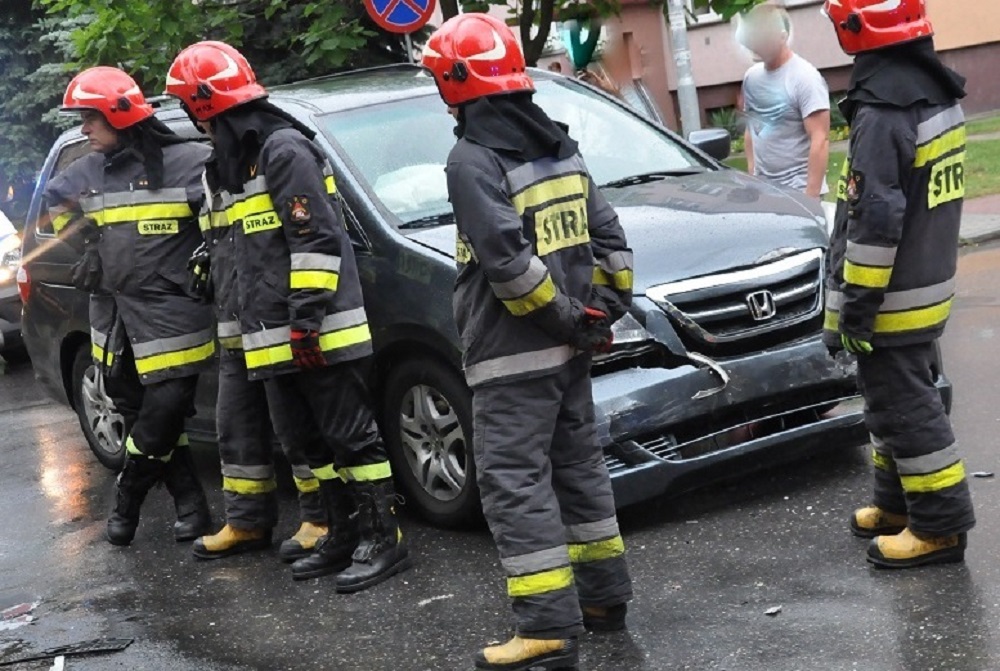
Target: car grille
[[745, 303]]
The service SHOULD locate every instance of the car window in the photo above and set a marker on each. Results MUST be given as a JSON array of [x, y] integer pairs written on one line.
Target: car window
[[401, 147], [67, 155]]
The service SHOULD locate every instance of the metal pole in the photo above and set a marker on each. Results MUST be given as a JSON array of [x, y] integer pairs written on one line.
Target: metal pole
[[409, 48], [687, 92]]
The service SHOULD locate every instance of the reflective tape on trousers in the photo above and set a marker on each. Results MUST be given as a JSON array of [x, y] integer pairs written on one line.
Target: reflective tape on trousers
[[517, 364]]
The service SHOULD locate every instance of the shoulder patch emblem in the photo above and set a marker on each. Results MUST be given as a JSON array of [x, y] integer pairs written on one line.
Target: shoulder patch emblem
[[855, 185], [299, 208]]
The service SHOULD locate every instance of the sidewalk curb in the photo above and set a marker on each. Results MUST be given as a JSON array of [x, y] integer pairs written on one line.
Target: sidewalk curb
[[978, 239]]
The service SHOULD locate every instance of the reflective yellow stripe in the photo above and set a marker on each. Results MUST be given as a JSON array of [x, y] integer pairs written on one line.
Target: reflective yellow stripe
[[881, 462], [174, 359], [549, 190], [98, 353], [867, 276], [540, 583], [845, 170], [243, 486], [912, 320], [940, 146], [536, 299], [268, 356], [232, 342], [183, 441], [330, 184], [580, 553], [380, 471], [59, 222], [327, 472], [622, 280], [133, 449], [922, 484], [831, 320], [257, 204], [136, 213], [306, 485], [313, 279], [344, 338]]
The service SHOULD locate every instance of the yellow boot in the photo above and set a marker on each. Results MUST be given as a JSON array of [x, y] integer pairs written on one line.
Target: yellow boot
[[871, 522], [907, 550], [521, 654], [303, 542], [230, 541]]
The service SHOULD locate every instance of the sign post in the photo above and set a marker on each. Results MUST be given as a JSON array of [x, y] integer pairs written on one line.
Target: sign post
[[401, 17]]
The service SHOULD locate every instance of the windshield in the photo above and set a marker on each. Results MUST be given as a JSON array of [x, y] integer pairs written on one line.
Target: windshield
[[401, 147]]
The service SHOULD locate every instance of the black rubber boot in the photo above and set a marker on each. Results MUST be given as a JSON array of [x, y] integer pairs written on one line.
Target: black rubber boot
[[133, 484], [193, 516], [333, 552], [381, 553]]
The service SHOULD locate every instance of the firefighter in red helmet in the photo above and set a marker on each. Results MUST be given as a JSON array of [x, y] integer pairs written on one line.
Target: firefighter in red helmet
[[302, 319], [532, 308], [891, 279], [132, 204]]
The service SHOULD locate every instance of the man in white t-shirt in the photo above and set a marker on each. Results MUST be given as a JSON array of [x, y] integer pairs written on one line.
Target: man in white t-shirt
[[787, 105]]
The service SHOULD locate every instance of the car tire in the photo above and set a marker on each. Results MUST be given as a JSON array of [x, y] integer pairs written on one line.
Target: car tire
[[102, 426], [428, 424]]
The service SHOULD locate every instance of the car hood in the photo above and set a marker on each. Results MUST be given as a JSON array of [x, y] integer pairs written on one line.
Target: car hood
[[698, 225]]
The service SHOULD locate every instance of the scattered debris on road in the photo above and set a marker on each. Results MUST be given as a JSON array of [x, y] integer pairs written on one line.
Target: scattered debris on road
[[17, 616], [58, 664], [983, 474], [91, 647], [773, 612], [424, 602]]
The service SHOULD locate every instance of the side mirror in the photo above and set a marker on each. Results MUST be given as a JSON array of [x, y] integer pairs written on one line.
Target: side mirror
[[713, 141]]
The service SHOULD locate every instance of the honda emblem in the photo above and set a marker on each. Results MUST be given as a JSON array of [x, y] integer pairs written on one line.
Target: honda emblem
[[761, 305]]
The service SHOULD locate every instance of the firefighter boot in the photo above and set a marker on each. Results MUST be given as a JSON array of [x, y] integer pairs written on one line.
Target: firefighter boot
[[303, 543], [908, 550], [333, 552], [231, 541], [522, 654], [138, 476], [381, 553], [193, 516], [605, 618], [873, 521]]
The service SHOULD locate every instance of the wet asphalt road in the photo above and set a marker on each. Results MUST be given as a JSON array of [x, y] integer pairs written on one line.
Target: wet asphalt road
[[706, 567]]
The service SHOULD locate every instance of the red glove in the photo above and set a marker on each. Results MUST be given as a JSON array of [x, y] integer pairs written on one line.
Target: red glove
[[306, 352], [595, 334]]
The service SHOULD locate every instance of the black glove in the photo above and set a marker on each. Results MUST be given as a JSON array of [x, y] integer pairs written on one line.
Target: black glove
[[594, 332], [86, 272], [199, 265]]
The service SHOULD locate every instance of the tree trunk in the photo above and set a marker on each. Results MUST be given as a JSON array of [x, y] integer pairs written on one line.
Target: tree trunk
[[533, 47], [449, 8]]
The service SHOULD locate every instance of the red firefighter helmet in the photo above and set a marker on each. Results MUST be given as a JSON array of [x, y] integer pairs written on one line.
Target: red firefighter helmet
[[212, 77], [109, 91], [864, 25], [475, 55]]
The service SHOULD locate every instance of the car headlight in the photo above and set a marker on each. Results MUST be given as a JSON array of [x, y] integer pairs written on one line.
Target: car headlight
[[628, 330], [10, 257]]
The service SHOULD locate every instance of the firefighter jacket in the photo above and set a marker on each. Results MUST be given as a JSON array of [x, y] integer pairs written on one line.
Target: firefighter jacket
[[295, 264], [536, 243], [894, 251], [220, 237], [146, 237]]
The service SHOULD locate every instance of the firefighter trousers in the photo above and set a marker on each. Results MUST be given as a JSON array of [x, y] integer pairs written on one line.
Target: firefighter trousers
[[153, 414], [547, 497], [918, 470], [246, 449], [328, 412]]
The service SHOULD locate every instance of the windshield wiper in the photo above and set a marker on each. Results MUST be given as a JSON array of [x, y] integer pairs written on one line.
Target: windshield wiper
[[430, 221], [656, 176]]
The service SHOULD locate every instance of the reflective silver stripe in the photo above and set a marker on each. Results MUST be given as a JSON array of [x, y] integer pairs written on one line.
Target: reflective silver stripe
[[589, 532], [280, 335], [229, 329], [899, 301], [616, 262], [536, 562], [302, 472], [174, 344], [98, 338], [515, 364], [929, 463], [342, 320], [878, 444], [91, 203], [248, 472], [314, 261], [254, 187], [939, 123], [523, 283], [527, 174], [143, 197], [870, 255], [834, 299]]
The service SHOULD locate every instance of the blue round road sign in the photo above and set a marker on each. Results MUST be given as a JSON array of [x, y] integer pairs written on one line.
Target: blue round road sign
[[400, 16]]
